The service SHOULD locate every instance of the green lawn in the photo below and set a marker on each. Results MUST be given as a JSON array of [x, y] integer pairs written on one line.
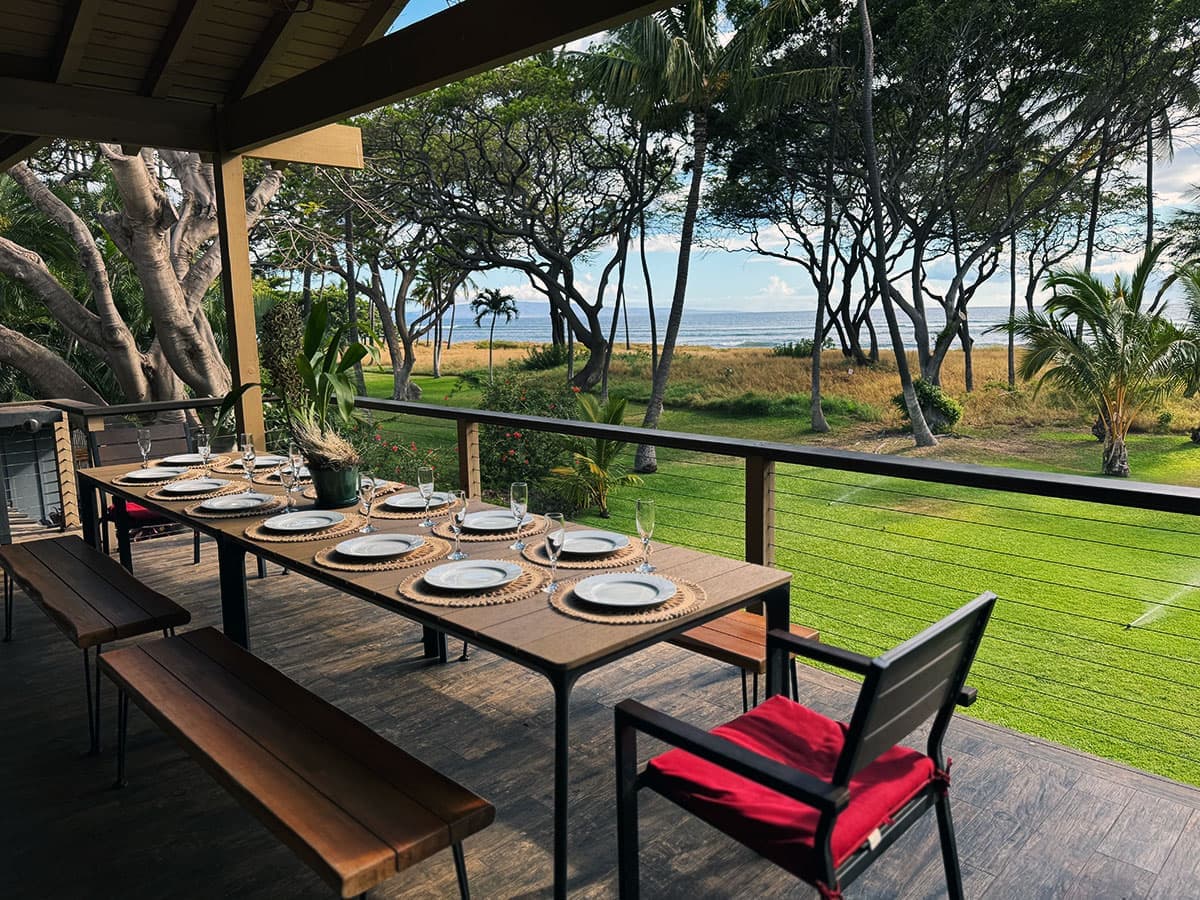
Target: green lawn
[[876, 559]]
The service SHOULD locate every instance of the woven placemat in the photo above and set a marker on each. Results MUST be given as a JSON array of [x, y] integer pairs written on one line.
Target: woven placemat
[[232, 488], [271, 478], [352, 523], [432, 550], [383, 512], [626, 556], [199, 512], [387, 490], [687, 599], [212, 461], [190, 473], [537, 526], [529, 583]]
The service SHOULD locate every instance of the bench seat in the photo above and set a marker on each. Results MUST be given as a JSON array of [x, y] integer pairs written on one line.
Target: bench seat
[[352, 805]]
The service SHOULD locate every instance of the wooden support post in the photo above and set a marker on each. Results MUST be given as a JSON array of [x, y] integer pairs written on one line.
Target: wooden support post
[[237, 286], [65, 455], [468, 458], [760, 510]]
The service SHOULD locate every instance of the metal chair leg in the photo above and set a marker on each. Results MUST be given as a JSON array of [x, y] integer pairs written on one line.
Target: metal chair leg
[[627, 811], [460, 869], [954, 882], [795, 682], [93, 701], [262, 567], [745, 696], [195, 548], [9, 590], [756, 689], [464, 656], [122, 735]]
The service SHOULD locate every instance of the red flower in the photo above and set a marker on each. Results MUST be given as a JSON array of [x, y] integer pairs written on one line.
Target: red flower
[[508, 434], [395, 448], [517, 435], [576, 389], [414, 446]]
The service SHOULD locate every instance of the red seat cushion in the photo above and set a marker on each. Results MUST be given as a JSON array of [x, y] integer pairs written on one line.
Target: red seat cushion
[[775, 826], [139, 515]]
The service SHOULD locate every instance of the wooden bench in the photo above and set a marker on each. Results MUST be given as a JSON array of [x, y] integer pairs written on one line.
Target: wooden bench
[[740, 639], [353, 806], [90, 597]]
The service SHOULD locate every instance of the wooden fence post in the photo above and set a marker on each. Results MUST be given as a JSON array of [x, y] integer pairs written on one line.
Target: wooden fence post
[[468, 458], [760, 510]]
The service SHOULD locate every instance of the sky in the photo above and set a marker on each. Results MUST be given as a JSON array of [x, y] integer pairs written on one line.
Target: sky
[[723, 280]]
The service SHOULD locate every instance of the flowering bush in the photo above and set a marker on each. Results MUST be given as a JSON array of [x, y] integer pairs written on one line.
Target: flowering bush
[[386, 454], [507, 454]]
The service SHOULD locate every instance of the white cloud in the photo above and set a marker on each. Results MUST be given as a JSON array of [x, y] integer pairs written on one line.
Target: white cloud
[[777, 288]]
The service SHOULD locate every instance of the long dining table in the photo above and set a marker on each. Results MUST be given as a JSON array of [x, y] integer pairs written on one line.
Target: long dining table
[[529, 631]]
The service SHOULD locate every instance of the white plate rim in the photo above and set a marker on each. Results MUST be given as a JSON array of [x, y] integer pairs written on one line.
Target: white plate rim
[[274, 522], [440, 498], [662, 584], [269, 459], [593, 533], [468, 525], [154, 473], [181, 459], [414, 541], [218, 504], [173, 487], [511, 573]]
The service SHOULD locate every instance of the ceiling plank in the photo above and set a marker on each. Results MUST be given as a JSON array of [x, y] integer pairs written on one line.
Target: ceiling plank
[[78, 18], [14, 65], [267, 49], [93, 114], [175, 46], [467, 38], [16, 148], [333, 145], [374, 23]]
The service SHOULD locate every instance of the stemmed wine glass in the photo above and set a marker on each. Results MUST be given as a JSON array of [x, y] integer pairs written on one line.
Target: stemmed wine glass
[[287, 477], [246, 442], [518, 502], [143, 438], [425, 486], [366, 493], [456, 524], [204, 448], [645, 527], [556, 536]]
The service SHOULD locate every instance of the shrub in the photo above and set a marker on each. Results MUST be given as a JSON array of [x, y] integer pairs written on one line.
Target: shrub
[[507, 454], [801, 349], [387, 455], [547, 356], [596, 467], [281, 339], [942, 412], [1164, 421]]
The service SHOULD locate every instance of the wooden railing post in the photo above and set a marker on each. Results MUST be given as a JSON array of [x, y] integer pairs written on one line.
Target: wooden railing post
[[468, 458], [760, 510]]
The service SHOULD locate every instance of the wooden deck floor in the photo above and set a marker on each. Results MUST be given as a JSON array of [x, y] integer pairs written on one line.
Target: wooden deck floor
[[1034, 820]]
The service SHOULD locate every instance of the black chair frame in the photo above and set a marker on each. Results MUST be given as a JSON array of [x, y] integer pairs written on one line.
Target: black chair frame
[[963, 629]]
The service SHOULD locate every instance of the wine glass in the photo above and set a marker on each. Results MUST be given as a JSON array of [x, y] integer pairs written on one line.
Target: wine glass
[[425, 486], [143, 438], [556, 536], [295, 457], [246, 442], [456, 523], [518, 502], [366, 493], [204, 448], [645, 527], [287, 477]]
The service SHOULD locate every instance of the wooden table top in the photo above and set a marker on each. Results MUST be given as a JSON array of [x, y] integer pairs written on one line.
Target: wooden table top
[[527, 630]]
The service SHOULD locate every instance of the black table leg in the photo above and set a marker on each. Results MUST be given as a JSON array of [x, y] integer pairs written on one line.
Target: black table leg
[[778, 605], [89, 514], [235, 617], [562, 712], [434, 643], [121, 517]]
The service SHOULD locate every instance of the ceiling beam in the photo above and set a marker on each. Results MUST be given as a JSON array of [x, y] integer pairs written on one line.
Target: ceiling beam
[[78, 18], [91, 114], [470, 37], [273, 41], [375, 21], [175, 46], [333, 145]]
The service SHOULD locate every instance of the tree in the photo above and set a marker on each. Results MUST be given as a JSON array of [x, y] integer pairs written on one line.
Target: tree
[[1109, 347], [495, 303], [142, 230], [596, 468]]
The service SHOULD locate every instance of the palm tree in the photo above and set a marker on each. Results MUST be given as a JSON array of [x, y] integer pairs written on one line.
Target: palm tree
[[673, 67], [596, 468], [495, 303], [1108, 347]]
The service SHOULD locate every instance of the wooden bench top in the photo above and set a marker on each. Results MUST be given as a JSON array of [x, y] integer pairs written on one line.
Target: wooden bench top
[[86, 593], [739, 639], [352, 805]]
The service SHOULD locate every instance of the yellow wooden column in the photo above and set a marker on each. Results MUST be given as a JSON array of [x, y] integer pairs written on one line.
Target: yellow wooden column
[[237, 287]]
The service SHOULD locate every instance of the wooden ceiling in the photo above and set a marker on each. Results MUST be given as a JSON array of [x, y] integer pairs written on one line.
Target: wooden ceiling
[[230, 75]]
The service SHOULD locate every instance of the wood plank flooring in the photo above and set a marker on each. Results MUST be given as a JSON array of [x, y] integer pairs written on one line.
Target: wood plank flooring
[[1035, 820]]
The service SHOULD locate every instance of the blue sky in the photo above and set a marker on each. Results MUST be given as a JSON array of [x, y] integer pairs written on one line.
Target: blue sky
[[720, 279]]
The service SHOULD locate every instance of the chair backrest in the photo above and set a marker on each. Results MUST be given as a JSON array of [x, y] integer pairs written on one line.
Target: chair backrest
[[911, 682], [117, 443]]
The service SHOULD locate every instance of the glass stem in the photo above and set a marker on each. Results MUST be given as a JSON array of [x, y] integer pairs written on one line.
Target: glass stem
[[645, 551], [554, 570]]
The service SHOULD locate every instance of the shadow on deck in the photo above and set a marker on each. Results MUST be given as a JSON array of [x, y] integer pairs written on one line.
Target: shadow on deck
[[1035, 820]]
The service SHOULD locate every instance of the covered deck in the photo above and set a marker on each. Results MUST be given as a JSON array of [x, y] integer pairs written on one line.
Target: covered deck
[[1034, 819]]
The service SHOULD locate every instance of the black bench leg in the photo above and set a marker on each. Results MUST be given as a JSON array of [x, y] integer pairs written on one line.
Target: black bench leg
[[745, 696], [9, 590], [465, 655], [195, 548], [93, 701], [460, 869], [122, 735], [262, 567], [756, 689]]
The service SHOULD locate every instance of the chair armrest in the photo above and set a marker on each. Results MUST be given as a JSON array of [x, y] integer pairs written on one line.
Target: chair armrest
[[775, 775], [967, 696], [815, 650]]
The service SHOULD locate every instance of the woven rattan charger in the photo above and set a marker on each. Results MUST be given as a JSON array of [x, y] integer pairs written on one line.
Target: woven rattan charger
[[124, 482], [431, 550], [536, 526], [348, 526], [528, 584], [274, 505], [435, 512], [626, 556], [159, 493], [687, 599]]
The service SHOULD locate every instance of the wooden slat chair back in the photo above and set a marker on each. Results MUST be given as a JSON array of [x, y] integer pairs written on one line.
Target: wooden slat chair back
[[818, 798]]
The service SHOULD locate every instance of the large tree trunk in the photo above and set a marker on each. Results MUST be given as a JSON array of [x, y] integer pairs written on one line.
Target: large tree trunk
[[352, 299], [645, 459], [816, 413], [920, 428], [1149, 185], [49, 374], [1012, 309]]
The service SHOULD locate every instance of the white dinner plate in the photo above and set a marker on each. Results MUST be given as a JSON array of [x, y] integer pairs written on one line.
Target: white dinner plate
[[195, 485], [304, 473], [310, 520], [249, 501], [594, 543], [493, 520], [473, 575], [157, 473], [380, 546], [625, 590], [414, 500], [261, 462], [183, 459]]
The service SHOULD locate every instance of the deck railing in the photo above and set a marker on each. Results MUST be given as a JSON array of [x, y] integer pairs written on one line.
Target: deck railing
[[1095, 641]]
